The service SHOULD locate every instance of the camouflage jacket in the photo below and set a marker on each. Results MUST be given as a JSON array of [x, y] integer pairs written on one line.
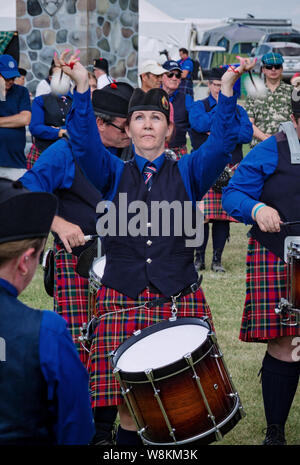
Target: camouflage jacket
[[270, 111]]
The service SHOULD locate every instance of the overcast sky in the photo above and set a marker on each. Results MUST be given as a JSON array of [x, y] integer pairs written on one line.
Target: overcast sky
[[283, 9]]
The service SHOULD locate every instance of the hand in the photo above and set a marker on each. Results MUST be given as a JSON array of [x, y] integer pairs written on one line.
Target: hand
[[70, 234], [233, 74], [74, 69], [62, 132], [268, 219]]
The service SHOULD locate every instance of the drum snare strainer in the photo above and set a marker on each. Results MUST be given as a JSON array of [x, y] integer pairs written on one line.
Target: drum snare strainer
[[175, 383]]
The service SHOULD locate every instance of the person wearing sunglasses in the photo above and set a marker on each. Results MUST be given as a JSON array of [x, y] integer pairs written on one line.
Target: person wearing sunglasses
[[267, 112], [180, 102]]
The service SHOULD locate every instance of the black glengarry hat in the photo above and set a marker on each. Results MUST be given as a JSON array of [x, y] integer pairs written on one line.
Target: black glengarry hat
[[153, 100], [24, 214], [216, 74], [113, 99], [101, 63]]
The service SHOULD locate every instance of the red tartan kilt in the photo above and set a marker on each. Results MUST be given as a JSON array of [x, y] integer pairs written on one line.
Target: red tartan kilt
[[32, 156], [71, 296], [266, 284], [211, 205], [115, 328]]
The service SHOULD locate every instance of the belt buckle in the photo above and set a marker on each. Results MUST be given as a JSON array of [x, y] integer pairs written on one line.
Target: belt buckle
[[194, 287]]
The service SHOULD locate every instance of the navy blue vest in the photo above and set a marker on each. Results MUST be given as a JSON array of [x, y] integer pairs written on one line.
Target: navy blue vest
[[282, 192], [24, 416], [181, 120], [55, 112], [133, 263], [78, 205], [198, 138]]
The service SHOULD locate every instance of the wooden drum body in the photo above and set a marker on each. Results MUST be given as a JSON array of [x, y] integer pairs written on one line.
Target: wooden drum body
[[175, 383]]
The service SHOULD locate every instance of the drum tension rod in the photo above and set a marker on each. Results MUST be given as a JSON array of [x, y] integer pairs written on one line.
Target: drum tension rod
[[189, 359], [149, 374]]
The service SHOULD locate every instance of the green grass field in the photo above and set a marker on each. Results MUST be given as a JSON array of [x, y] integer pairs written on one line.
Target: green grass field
[[225, 295]]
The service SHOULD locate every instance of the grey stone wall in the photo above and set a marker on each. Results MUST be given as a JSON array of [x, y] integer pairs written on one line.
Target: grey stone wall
[[98, 28]]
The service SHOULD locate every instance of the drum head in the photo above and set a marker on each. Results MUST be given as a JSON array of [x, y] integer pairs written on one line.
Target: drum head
[[163, 346]]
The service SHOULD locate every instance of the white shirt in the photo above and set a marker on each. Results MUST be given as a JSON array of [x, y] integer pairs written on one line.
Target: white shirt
[[103, 81]]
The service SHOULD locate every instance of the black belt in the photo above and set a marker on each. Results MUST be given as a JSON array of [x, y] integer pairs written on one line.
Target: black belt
[[187, 290]]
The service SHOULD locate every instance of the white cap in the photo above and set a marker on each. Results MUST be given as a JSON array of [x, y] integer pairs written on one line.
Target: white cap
[[151, 66]]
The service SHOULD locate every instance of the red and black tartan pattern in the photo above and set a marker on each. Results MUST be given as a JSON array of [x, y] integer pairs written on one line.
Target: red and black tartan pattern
[[212, 202], [32, 156], [113, 329], [71, 296], [266, 278], [179, 151]]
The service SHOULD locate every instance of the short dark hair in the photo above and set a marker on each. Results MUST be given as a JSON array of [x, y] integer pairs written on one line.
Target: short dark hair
[[105, 118], [184, 50]]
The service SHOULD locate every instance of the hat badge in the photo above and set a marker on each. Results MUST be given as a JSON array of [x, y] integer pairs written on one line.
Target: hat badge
[[165, 103], [11, 64]]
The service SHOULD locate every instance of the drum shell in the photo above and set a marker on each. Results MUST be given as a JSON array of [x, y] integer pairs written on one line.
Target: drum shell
[[294, 271], [181, 398]]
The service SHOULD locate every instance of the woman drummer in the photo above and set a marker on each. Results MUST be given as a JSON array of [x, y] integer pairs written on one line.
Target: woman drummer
[[144, 267]]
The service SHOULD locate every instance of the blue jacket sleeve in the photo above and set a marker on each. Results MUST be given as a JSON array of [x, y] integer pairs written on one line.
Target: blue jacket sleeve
[[245, 187], [54, 169], [200, 119], [37, 127], [67, 383], [202, 167], [99, 165], [246, 128]]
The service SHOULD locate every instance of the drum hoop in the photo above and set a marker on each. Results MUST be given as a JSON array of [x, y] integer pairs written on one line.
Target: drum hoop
[[169, 375], [160, 372], [236, 410]]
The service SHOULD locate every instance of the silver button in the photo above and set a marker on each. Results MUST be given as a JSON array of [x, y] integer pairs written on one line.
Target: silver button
[[148, 225], [149, 260], [149, 242]]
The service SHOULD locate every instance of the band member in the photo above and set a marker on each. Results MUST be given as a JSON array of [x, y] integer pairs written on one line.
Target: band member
[[44, 396], [264, 192], [201, 116], [145, 267]]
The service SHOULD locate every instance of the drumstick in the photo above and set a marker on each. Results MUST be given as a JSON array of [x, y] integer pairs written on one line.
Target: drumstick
[[90, 237], [290, 223]]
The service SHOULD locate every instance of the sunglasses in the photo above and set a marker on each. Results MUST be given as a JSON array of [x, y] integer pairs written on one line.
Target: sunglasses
[[117, 127], [273, 66], [177, 74]]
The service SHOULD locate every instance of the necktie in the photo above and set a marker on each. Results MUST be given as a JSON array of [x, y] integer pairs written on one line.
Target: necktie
[[149, 171]]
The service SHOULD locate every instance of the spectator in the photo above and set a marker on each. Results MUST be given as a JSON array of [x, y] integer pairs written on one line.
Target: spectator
[[15, 114], [266, 113], [170, 83], [187, 66], [151, 75], [20, 80]]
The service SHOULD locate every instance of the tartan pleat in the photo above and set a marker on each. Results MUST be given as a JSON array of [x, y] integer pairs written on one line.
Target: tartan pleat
[[115, 328], [266, 278], [180, 151], [212, 205], [71, 296], [32, 156]]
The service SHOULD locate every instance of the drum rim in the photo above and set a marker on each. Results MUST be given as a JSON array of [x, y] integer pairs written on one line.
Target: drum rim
[[168, 369]]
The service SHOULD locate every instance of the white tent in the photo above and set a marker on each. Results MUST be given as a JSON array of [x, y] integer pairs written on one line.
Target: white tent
[[159, 31]]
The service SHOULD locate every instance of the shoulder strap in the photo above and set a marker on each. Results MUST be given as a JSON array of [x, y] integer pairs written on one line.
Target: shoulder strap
[[293, 141]]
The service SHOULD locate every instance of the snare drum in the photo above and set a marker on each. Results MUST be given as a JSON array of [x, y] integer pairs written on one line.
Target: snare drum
[[289, 307], [175, 383]]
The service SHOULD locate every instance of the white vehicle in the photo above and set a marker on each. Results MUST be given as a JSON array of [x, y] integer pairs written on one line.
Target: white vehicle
[[290, 52]]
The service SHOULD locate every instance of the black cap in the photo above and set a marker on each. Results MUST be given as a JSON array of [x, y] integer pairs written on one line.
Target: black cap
[[113, 99], [216, 74], [296, 101], [24, 214], [154, 99], [101, 63], [22, 71]]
